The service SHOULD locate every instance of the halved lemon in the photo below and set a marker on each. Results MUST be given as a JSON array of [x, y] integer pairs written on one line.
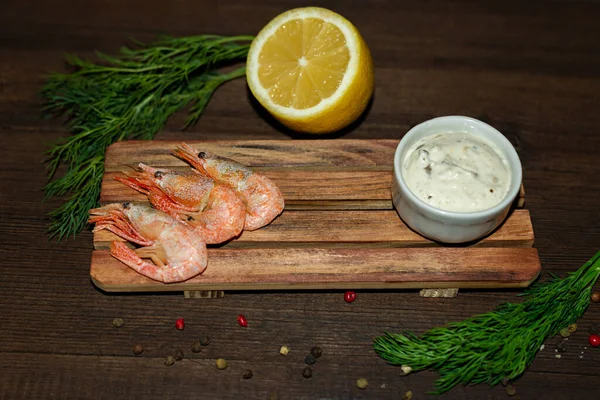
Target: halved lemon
[[311, 69]]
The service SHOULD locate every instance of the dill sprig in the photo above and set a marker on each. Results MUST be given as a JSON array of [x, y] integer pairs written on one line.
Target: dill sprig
[[498, 345], [127, 97]]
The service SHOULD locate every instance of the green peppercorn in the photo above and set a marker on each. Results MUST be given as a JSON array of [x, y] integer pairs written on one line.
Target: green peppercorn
[[169, 360], [118, 322], [362, 383], [564, 332], [511, 390], [316, 352], [307, 372], [572, 328], [221, 363], [407, 395]]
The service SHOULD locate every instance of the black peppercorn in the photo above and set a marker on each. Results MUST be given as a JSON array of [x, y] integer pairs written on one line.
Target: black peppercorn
[[196, 347], [178, 355], [310, 359], [307, 372], [248, 374], [316, 352], [204, 340]]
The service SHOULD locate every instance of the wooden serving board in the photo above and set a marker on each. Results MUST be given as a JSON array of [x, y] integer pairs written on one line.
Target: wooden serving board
[[339, 229]]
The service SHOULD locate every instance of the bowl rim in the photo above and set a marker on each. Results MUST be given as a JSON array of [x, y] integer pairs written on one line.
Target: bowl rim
[[514, 163]]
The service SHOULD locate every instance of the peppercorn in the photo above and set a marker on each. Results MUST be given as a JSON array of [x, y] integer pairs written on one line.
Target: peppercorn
[[505, 381], [594, 328], [284, 350], [407, 395], [564, 332], [349, 296], [138, 349], [178, 355], [561, 346], [362, 383], [242, 321], [572, 328], [180, 324], [118, 322], [307, 372], [595, 297], [594, 340], [196, 347], [316, 352], [511, 390], [169, 360], [221, 363], [248, 374], [204, 340], [310, 359]]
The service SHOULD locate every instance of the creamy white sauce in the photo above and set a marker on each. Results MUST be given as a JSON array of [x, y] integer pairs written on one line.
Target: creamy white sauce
[[457, 172]]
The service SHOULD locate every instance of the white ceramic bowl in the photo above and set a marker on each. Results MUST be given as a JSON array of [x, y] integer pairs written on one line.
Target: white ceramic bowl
[[447, 226]]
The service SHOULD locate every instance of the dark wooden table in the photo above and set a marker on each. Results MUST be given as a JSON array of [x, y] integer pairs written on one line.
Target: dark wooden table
[[531, 69]]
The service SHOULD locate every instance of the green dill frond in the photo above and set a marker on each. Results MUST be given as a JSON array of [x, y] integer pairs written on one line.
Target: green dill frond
[[130, 96], [498, 345]]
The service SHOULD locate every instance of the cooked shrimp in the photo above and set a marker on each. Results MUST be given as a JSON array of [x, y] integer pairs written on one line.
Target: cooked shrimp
[[177, 251], [212, 208], [263, 199]]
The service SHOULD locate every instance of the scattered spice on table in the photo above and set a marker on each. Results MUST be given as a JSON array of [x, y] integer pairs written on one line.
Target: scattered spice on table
[[349, 296], [180, 324], [572, 328], [196, 347], [407, 395], [561, 346], [138, 349], [316, 352], [221, 363], [248, 374], [595, 328], [307, 372], [362, 383], [595, 297], [169, 360], [118, 322], [284, 350], [310, 359], [178, 355], [242, 321]]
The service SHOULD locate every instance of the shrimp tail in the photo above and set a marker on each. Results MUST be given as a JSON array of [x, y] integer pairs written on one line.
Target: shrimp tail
[[128, 257]]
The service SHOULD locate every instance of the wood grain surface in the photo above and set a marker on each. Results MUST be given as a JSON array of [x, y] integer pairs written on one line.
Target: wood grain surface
[[530, 69]]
